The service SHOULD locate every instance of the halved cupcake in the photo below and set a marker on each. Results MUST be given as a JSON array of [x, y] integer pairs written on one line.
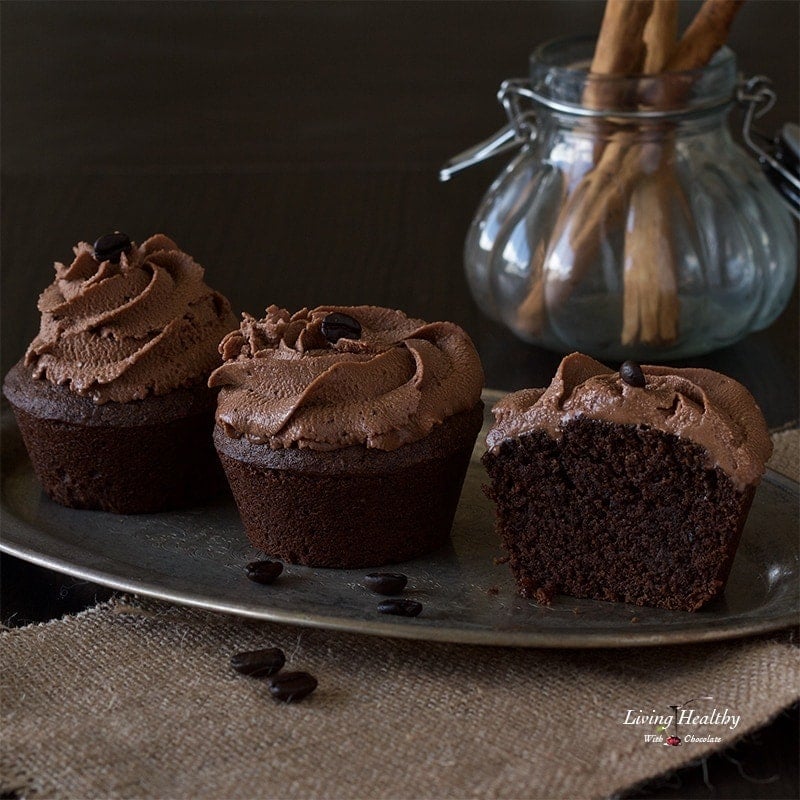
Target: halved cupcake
[[628, 486]]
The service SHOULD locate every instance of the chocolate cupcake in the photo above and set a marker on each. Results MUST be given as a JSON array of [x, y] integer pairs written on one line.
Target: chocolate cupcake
[[346, 432], [627, 486], [111, 396]]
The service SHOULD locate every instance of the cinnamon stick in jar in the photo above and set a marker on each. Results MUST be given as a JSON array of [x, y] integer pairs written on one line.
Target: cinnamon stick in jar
[[620, 51], [650, 307], [660, 36], [604, 195], [705, 35]]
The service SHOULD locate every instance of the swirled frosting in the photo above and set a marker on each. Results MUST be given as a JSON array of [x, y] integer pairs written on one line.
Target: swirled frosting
[[284, 384], [123, 331], [700, 405]]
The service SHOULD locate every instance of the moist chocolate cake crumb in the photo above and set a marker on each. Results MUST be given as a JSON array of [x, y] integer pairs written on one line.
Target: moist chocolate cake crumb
[[541, 594], [615, 512]]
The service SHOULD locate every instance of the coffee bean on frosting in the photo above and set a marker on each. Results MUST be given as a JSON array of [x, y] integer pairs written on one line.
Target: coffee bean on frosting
[[400, 607], [263, 571], [259, 663], [632, 374], [292, 686], [337, 326], [111, 247], [386, 582]]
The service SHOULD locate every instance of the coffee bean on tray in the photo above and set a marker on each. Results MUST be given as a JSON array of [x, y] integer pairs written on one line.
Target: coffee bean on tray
[[111, 247], [292, 686], [259, 663], [337, 326], [632, 374], [263, 571], [386, 582], [400, 607]]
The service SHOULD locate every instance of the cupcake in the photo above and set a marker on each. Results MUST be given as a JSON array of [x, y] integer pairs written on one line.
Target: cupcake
[[628, 486], [111, 396], [346, 432]]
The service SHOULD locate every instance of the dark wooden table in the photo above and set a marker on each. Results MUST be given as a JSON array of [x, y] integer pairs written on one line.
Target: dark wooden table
[[292, 148]]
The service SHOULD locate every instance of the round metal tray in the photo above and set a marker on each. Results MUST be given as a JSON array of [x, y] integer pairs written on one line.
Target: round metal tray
[[197, 557]]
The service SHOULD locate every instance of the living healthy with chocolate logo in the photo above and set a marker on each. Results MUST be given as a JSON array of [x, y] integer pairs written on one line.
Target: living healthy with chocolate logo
[[691, 721]]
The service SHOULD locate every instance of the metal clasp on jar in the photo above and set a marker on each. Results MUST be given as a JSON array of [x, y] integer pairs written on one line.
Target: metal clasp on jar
[[779, 156], [520, 130]]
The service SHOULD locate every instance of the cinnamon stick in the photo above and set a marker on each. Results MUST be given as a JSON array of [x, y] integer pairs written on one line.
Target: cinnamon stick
[[705, 35], [707, 32], [650, 308], [660, 36], [620, 49]]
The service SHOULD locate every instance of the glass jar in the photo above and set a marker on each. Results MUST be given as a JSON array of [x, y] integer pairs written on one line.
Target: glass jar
[[630, 225]]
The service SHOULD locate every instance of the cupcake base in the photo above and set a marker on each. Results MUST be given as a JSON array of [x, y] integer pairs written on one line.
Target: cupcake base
[[354, 507], [616, 512], [144, 456]]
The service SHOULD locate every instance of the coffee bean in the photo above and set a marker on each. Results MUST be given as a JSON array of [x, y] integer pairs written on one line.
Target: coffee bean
[[111, 247], [400, 607], [258, 663], [386, 582], [292, 686], [632, 374], [340, 326], [263, 571]]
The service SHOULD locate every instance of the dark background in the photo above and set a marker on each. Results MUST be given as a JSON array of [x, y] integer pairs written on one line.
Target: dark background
[[293, 148]]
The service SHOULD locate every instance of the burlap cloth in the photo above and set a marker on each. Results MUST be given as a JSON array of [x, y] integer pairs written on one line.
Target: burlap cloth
[[136, 698]]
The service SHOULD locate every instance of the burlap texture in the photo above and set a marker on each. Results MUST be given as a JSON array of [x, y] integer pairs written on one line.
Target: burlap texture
[[137, 699]]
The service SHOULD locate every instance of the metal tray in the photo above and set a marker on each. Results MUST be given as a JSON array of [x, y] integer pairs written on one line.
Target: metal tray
[[197, 558]]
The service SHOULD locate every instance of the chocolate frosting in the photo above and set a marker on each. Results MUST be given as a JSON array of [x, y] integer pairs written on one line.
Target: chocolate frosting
[[705, 407], [285, 385], [123, 331]]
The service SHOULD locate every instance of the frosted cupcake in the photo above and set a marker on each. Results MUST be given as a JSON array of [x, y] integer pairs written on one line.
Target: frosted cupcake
[[111, 396], [346, 432]]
